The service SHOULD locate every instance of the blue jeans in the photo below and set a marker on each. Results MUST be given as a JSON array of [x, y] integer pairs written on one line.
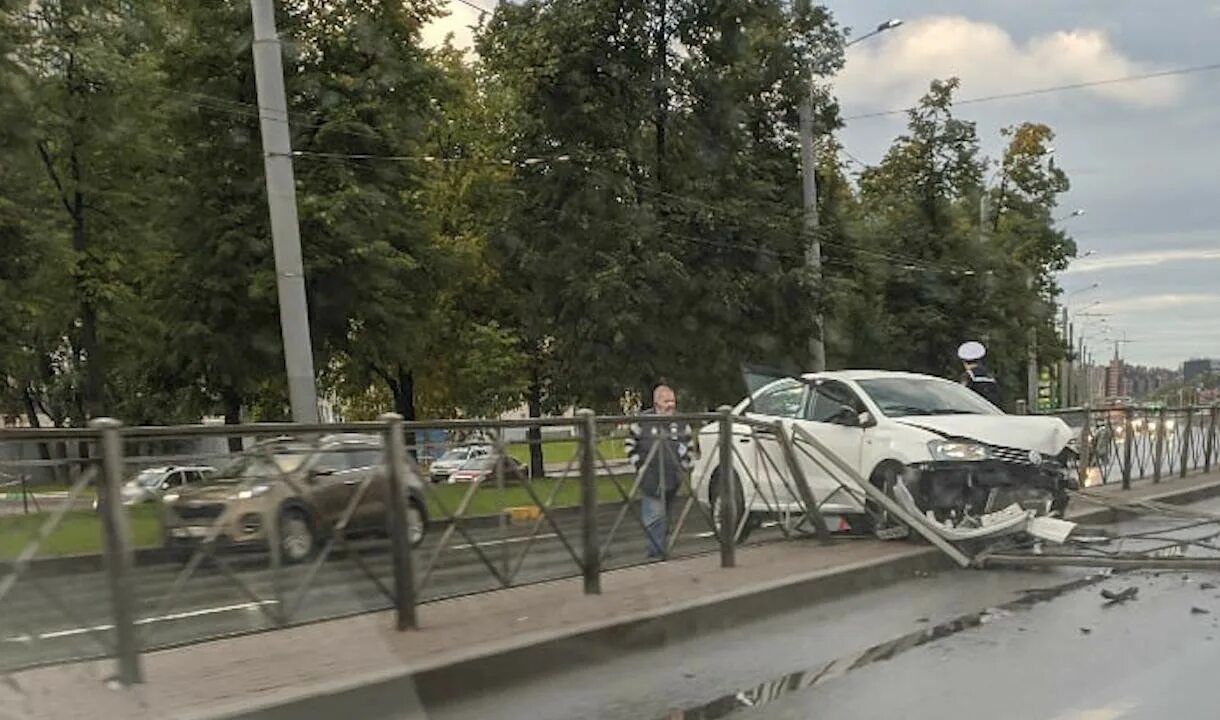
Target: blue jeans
[[654, 513]]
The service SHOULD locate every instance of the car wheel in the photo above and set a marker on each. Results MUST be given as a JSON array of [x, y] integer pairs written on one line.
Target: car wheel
[[416, 524], [296, 536], [752, 520], [884, 479]]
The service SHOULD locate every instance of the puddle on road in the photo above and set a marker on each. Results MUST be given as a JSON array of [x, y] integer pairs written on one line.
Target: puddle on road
[[766, 692]]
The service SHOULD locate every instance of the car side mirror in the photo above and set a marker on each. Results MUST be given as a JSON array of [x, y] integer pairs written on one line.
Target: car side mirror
[[848, 416], [866, 420]]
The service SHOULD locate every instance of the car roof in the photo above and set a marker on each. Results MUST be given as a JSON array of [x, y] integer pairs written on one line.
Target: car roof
[[857, 375]]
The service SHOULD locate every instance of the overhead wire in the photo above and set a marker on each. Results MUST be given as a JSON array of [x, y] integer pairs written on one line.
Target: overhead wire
[[1051, 89], [902, 262]]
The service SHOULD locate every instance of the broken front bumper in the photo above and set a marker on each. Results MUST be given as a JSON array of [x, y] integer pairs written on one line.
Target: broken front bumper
[[974, 500]]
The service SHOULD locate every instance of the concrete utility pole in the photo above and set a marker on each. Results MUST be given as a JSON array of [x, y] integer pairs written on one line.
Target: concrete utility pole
[[282, 203], [809, 198]]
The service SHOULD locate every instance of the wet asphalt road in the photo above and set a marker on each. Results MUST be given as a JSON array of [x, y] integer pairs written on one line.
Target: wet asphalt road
[[998, 644]]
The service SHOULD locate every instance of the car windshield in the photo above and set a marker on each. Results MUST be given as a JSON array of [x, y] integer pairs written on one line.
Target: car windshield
[[486, 462], [262, 465], [150, 478], [904, 397], [455, 455]]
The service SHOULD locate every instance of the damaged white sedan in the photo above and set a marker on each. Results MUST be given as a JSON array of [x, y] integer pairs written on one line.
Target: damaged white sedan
[[936, 448]]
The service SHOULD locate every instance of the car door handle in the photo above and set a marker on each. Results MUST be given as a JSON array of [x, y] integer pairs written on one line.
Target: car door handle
[[353, 481]]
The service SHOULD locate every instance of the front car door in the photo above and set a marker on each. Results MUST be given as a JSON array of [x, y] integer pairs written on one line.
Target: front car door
[[832, 416]]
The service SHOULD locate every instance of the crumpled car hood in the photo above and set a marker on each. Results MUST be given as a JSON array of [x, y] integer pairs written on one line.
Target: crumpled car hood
[[1044, 434]]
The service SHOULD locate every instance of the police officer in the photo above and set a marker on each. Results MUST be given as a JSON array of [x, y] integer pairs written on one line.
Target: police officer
[[977, 377]]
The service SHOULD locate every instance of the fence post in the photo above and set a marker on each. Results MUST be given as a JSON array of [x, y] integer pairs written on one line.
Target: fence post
[[1190, 421], [588, 503], [400, 523], [727, 491], [1211, 440], [1159, 458], [1128, 441], [1086, 448], [117, 541]]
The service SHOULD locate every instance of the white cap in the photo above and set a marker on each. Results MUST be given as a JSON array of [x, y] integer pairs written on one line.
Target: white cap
[[971, 351]]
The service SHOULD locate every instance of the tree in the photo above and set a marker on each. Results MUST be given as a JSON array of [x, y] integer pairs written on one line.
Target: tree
[[94, 127], [914, 201]]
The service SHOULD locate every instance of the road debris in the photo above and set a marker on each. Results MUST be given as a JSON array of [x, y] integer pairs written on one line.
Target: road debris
[[1114, 598], [1207, 586], [1200, 611], [1086, 631]]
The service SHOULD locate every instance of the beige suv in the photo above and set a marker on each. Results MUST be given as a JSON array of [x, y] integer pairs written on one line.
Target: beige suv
[[303, 485]]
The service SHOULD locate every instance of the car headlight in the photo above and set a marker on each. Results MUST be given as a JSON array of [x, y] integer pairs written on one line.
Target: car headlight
[[169, 497], [960, 450], [253, 492]]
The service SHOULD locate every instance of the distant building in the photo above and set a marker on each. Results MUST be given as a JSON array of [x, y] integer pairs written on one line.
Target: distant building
[[1192, 369], [1116, 385]]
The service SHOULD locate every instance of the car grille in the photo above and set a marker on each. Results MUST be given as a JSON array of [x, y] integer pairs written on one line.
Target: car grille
[[200, 512], [1012, 456]]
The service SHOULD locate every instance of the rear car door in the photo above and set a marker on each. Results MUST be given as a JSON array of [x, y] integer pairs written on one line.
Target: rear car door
[[363, 464], [759, 451], [328, 484], [832, 417]]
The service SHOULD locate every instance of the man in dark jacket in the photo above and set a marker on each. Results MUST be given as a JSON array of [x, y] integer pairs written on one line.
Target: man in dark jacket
[[976, 376], [661, 450]]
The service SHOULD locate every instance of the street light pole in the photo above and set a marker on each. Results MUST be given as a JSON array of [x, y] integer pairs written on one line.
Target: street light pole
[[809, 200], [282, 203], [1032, 379]]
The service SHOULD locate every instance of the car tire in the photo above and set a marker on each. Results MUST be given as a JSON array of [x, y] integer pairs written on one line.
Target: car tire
[[297, 537], [884, 478], [752, 521]]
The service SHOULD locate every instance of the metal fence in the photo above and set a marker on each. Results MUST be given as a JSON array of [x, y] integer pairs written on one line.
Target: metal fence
[[147, 538], [1121, 444]]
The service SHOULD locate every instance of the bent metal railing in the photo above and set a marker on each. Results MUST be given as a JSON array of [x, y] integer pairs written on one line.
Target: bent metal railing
[[501, 527]]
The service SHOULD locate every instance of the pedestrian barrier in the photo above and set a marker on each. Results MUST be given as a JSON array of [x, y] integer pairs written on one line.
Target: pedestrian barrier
[[301, 523], [1121, 444]]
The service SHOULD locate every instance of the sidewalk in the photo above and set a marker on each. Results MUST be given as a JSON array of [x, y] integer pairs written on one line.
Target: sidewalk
[[476, 640]]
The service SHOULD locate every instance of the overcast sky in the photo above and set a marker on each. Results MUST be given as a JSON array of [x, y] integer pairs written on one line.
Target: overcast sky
[[1143, 157]]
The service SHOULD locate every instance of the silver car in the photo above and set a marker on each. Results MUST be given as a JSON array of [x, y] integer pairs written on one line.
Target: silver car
[[454, 458], [151, 484]]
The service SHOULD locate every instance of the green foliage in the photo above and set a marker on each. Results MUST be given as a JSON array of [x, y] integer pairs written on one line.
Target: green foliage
[[605, 196]]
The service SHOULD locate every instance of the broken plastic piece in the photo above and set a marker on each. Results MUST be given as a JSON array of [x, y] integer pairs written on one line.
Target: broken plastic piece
[[1120, 597], [1050, 529]]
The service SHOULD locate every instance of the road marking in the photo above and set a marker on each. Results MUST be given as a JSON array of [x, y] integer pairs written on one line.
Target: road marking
[[184, 615], [1112, 712], [509, 541]]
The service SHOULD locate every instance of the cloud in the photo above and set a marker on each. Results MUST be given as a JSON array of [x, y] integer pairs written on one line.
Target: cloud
[[1158, 303], [894, 70], [1141, 259]]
